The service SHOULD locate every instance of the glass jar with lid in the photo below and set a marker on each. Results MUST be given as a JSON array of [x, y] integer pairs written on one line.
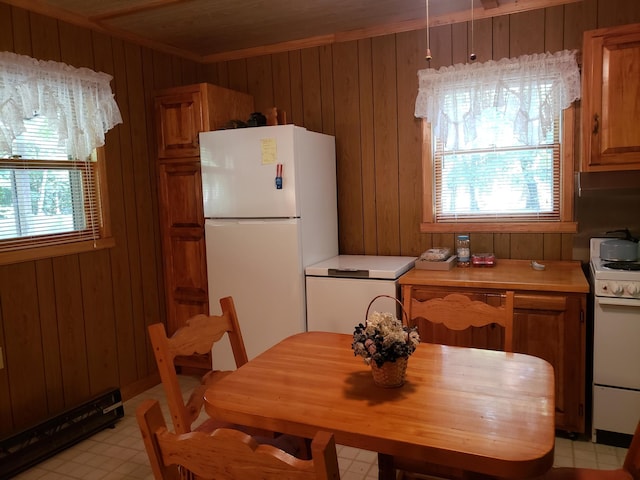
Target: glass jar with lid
[[463, 250]]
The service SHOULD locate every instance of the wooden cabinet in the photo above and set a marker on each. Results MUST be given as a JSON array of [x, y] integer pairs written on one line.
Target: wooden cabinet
[[549, 324], [610, 105], [181, 114]]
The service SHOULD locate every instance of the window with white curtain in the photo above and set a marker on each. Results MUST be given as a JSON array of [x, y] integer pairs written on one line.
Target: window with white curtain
[[499, 144], [53, 118]]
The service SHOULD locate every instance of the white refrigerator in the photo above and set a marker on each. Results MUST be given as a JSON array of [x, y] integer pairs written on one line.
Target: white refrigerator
[[270, 205]]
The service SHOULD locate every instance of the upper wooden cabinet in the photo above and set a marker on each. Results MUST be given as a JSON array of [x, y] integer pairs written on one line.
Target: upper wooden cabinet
[[181, 114], [611, 99]]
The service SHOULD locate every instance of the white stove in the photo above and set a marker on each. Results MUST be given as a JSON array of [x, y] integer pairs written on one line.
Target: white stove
[[613, 279], [616, 356]]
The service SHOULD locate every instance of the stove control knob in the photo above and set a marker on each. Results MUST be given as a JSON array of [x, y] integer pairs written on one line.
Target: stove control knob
[[616, 288], [633, 289]]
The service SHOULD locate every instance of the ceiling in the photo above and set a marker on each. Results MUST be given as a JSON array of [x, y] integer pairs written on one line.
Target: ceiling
[[215, 30]]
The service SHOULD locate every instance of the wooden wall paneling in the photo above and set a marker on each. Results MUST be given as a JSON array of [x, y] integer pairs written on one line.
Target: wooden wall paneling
[[21, 23], [238, 79], [527, 246], [501, 245], [578, 17], [297, 103], [348, 151], [221, 75], [6, 28], [176, 71], [442, 53], [481, 243], [460, 43], [189, 72], [441, 48], [368, 238], [210, 73], [326, 90], [385, 120], [53, 379], [311, 89], [411, 47], [500, 36], [552, 246], [146, 206], [553, 32], [76, 47], [482, 39], [567, 246], [129, 160], [526, 33], [138, 326], [260, 82], [24, 363], [126, 277], [162, 70], [282, 83], [71, 329], [624, 11], [45, 43], [6, 413], [99, 319]]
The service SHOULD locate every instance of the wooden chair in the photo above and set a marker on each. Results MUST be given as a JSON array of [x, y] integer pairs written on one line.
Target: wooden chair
[[456, 312], [630, 468], [228, 454], [197, 336]]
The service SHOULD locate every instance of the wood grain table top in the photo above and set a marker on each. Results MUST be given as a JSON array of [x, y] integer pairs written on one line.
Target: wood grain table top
[[484, 411]]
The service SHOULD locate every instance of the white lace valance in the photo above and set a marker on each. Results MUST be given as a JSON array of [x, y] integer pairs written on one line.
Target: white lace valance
[[527, 92], [77, 102]]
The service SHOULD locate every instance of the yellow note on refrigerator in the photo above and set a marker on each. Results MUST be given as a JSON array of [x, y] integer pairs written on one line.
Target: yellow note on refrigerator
[[269, 151]]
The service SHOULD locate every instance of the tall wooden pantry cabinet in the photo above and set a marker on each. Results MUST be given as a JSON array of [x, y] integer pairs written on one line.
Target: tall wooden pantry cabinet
[[181, 114]]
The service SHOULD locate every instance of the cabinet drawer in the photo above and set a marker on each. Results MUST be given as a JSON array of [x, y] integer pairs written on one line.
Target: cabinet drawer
[[540, 302]]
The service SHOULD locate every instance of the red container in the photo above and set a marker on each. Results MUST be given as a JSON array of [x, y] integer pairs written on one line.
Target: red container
[[483, 260]]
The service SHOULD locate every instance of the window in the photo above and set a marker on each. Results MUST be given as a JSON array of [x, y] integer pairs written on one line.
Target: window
[[52, 175], [500, 155]]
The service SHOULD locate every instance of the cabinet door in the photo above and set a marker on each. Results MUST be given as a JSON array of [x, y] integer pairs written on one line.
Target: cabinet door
[[182, 230], [552, 327], [179, 119], [611, 87]]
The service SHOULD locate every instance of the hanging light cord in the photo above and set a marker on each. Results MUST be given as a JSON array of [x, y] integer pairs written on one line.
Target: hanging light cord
[[472, 57], [428, 55]]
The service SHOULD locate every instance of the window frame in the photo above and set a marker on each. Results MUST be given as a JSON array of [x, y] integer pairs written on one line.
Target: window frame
[[567, 224], [23, 252]]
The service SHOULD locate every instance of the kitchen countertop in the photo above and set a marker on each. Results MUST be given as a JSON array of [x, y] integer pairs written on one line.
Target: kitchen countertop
[[558, 276]]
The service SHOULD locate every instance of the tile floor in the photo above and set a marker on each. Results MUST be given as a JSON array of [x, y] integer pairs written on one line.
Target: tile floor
[[118, 453]]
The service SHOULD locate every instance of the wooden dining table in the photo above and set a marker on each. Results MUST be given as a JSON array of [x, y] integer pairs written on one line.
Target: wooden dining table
[[482, 411]]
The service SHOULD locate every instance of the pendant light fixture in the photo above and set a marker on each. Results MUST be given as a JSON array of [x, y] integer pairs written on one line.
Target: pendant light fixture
[[428, 55], [472, 57]]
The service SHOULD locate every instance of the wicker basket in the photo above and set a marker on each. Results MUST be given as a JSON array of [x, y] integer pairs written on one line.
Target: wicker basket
[[390, 374]]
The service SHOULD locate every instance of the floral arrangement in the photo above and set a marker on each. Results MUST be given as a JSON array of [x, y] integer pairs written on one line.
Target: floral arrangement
[[383, 338]]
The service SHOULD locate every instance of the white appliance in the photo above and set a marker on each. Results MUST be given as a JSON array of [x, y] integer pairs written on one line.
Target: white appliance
[[616, 352], [340, 289], [270, 205]]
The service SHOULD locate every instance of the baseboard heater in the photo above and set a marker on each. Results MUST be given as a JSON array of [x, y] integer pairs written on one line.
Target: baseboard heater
[[39, 442]]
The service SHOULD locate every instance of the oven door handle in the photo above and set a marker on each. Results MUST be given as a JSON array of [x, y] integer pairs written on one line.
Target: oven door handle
[[623, 302]]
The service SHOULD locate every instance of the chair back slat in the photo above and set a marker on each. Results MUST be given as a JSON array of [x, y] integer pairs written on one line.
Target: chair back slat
[[228, 454], [459, 312]]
